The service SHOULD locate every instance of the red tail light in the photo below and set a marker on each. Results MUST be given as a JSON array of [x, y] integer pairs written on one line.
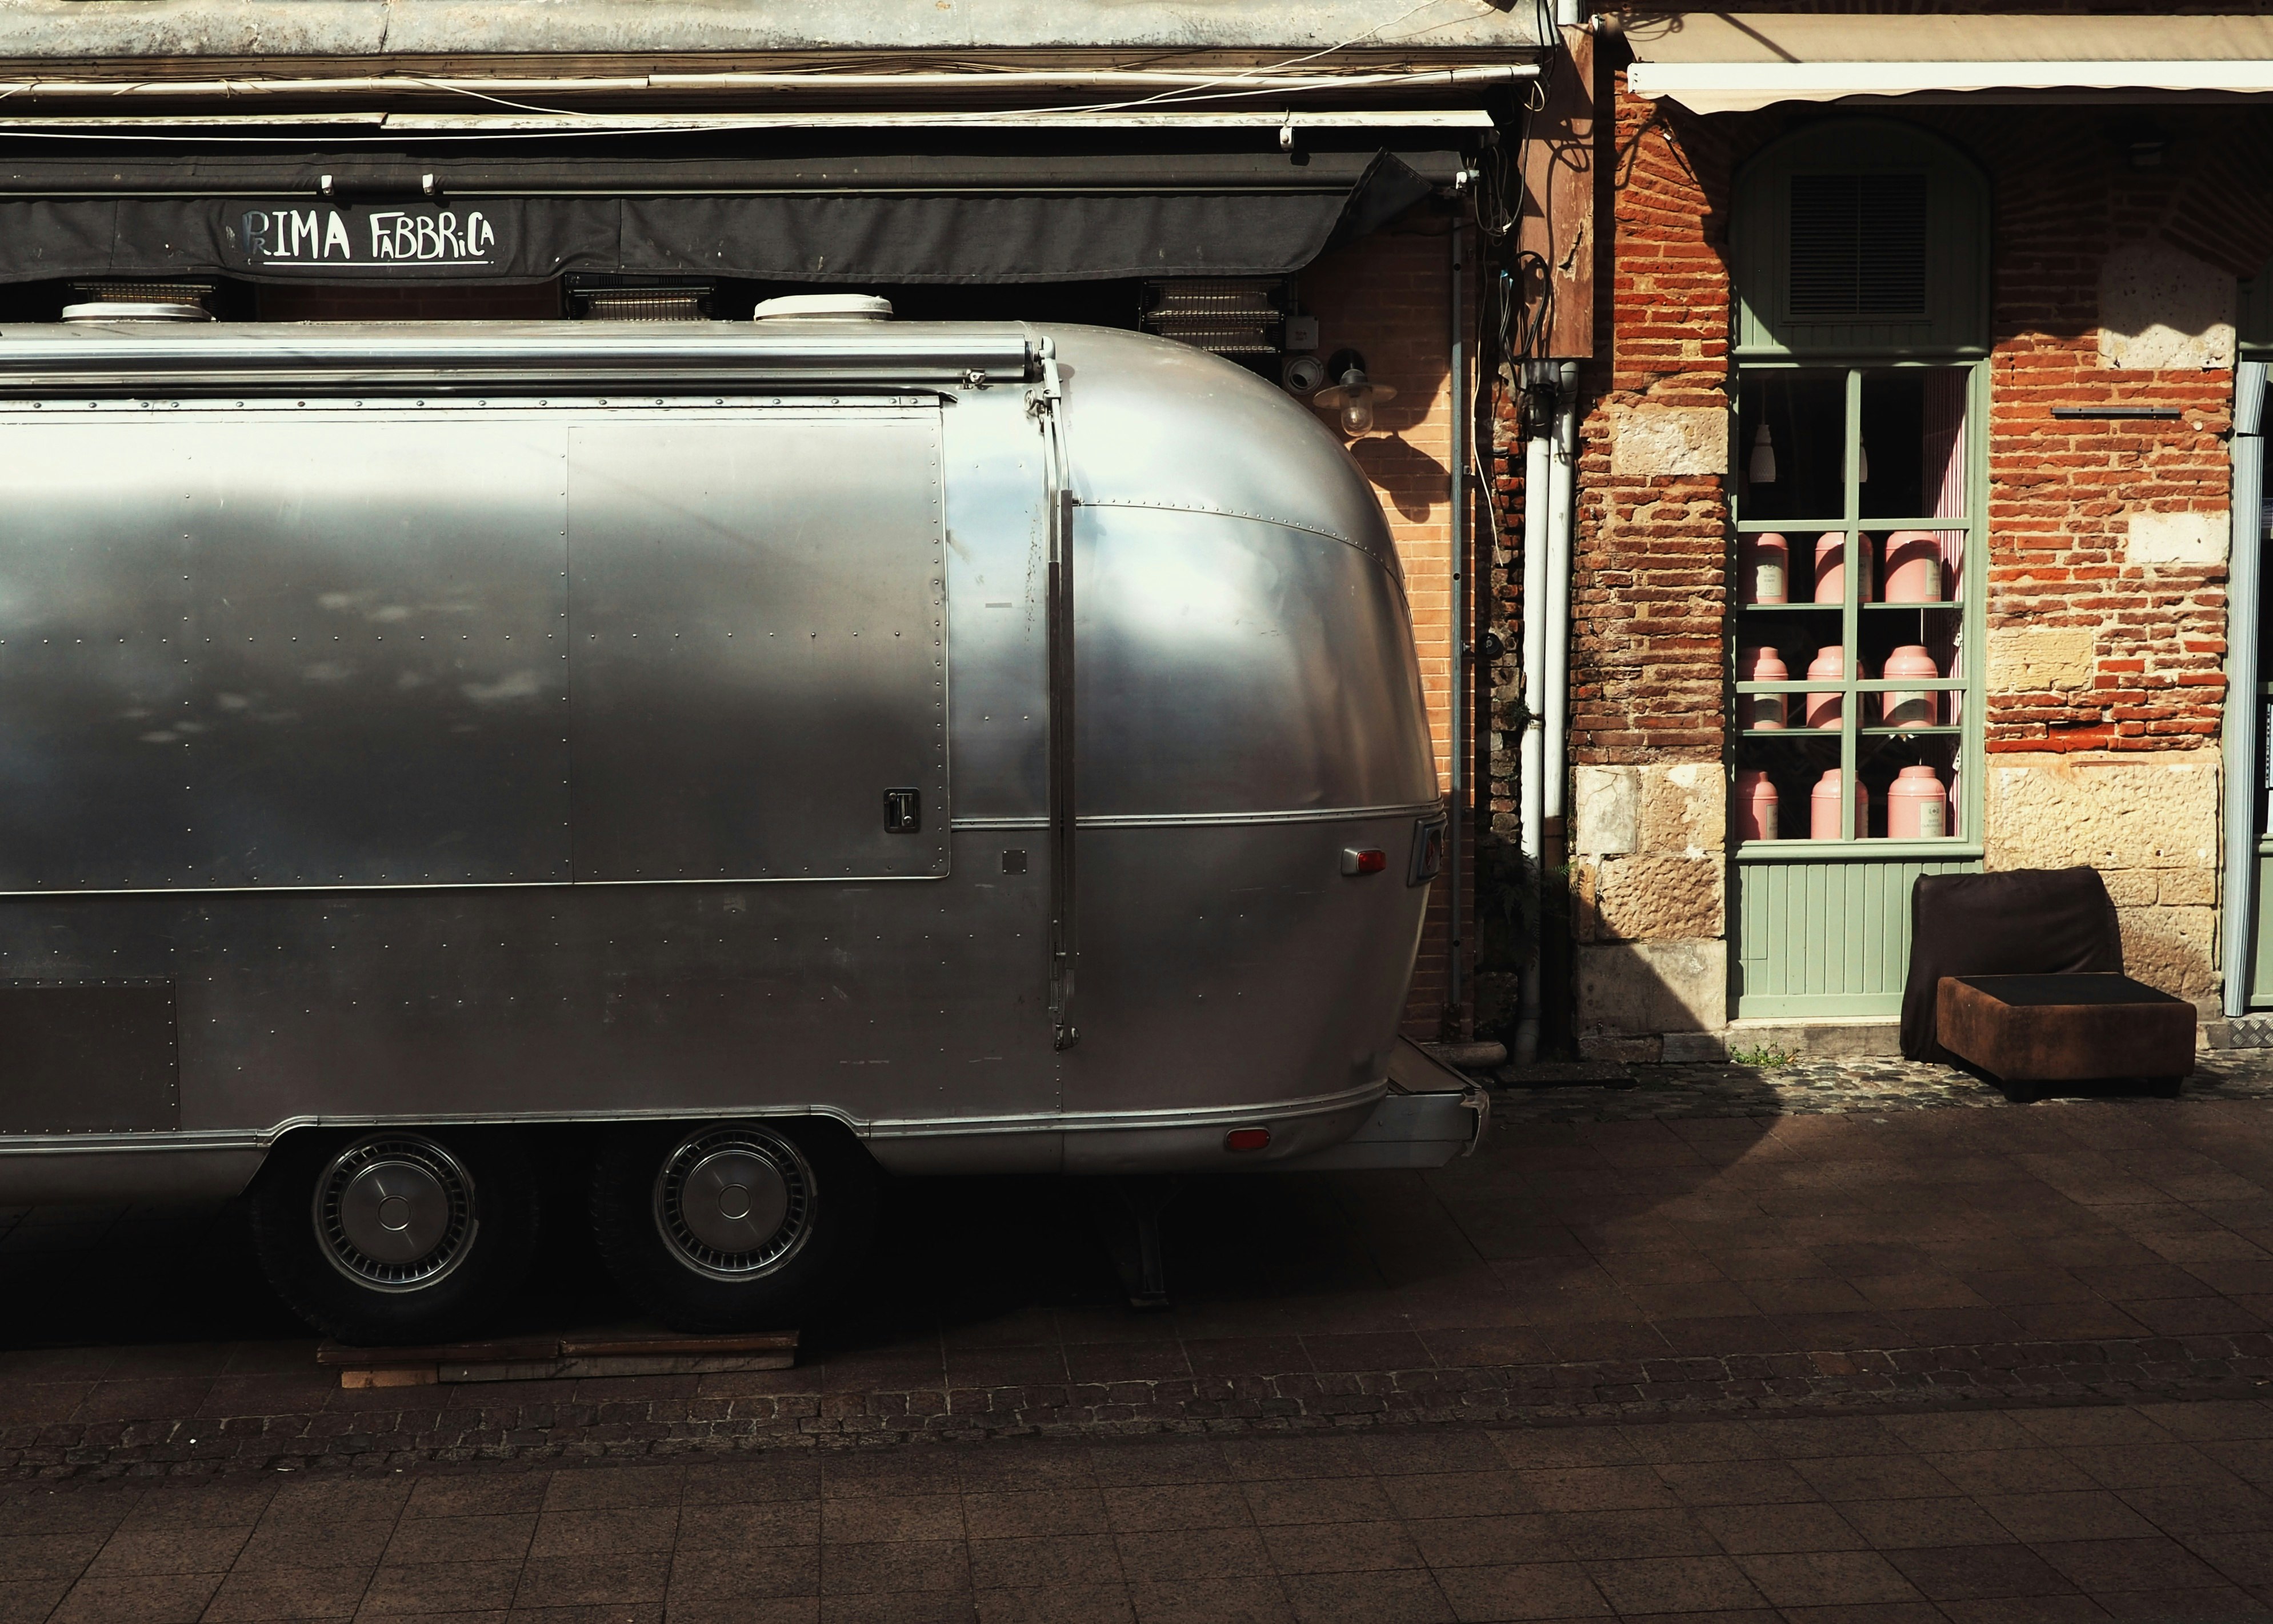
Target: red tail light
[[1367, 860], [1247, 1139]]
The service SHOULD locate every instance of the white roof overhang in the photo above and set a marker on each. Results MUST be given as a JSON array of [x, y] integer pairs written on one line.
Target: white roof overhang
[[1731, 62], [167, 32]]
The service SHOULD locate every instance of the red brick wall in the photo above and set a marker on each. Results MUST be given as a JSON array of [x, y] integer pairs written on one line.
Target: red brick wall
[[1649, 600], [1390, 297], [2061, 491], [1647, 592]]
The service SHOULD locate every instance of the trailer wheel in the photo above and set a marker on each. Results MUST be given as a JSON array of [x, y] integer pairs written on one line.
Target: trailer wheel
[[732, 1226], [390, 1236]]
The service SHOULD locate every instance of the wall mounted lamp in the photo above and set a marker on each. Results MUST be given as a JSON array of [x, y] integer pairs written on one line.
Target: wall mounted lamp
[[1356, 394]]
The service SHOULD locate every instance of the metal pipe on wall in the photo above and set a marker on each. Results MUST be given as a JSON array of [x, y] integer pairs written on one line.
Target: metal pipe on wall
[[1530, 749], [1561, 515], [1456, 519], [2245, 764]]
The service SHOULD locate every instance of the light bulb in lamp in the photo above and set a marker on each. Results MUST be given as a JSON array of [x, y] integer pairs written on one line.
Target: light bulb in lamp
[[1762, 467]]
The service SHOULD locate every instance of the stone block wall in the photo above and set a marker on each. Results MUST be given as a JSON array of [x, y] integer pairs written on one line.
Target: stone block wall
[[2147, 821], [1649, 872]]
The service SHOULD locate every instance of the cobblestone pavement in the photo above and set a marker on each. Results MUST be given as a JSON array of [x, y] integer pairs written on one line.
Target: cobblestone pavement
[[1992, 1516], [1607, 1091]]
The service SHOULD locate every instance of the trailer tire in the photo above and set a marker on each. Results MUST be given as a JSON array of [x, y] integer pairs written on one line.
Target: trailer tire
[[732, 1226], [391, 1236]]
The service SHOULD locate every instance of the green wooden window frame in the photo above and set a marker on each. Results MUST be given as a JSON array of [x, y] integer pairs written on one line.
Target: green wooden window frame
[[1955, 320], [1823, 925]]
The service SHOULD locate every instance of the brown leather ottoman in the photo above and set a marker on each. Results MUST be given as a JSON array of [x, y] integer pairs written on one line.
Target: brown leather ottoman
[[2026, 1030]]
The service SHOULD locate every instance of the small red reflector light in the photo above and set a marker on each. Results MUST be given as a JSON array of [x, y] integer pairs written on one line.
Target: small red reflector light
[[1368, 860], [1247, 1139]]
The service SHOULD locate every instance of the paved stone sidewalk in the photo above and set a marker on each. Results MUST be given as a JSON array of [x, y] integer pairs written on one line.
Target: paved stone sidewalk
[[2144, 1512]]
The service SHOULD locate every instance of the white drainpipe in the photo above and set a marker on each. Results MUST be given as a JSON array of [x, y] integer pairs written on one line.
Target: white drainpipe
[[2245, 770], [1561, 515], [1549, 513], [1530, 752]]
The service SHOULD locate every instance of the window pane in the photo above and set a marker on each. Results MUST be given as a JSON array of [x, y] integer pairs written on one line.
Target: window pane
[[1790, 439], [1908, 471]]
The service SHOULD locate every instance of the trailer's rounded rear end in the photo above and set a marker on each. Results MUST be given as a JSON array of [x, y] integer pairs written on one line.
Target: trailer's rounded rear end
[[1259, 807]]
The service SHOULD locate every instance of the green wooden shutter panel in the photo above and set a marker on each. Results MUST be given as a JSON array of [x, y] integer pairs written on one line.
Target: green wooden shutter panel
[[1858, 246], [1857, 238]]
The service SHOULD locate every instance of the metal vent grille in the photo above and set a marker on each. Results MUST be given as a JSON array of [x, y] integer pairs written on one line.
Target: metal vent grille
[[643, 305], [1226, 318], [1858, 246], [145, 292]]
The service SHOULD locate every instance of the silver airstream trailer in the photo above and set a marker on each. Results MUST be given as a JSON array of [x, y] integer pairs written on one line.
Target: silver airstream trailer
[[745, 754]]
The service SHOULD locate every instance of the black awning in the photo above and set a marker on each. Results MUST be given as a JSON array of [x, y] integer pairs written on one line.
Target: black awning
[[815, 237]]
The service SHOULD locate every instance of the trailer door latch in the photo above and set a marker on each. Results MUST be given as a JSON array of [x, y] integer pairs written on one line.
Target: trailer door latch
[[902, 811]]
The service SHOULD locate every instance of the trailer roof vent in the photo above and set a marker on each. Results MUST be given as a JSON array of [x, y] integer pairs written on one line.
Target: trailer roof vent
[[642, 303], [135, 310], [145, 300], [1228, 318], [825, 307]]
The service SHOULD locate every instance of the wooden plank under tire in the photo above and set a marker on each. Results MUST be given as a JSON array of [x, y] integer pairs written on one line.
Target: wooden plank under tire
[[619, 1350]]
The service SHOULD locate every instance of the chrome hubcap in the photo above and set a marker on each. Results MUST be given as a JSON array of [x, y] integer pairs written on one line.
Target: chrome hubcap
[[394, 1212], [734, 1202]]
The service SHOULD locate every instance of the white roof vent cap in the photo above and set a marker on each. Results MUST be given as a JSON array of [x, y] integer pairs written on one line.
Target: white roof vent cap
[[135, 310], [825, 307]]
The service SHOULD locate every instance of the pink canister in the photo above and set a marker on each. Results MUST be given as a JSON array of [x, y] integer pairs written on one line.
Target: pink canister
[[1823, 808], [1917, 808], [1826, 710], [1756, 806], [1761, 666], [1831, 568], [1914, 567], [1910, 710], [1763, 561]]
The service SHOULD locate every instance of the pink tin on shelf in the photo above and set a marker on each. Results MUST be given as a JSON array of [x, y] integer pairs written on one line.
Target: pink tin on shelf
[[1918, 806], [1762, 710], [1831, 568], [1828, 666], [1920, 709], [1913, 567], [1823, 809], [1756, 806], [1763, 565]]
